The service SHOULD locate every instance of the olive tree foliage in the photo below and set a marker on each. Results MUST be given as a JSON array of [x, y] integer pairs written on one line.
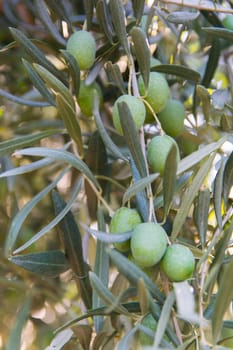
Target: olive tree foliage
[[64, 174]]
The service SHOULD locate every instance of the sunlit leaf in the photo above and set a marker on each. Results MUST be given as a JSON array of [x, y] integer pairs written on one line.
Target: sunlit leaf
[[189, 196], [60, 340], [218, 192], [228, 178], [49, 263], [202, 213], [179, 71], [108, 237]]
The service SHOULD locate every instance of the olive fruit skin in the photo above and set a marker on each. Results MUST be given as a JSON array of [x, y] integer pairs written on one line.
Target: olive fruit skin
[[148, 243], [82, 46], [158, 91], [149, 322], [158, 150], [124, 220], [86, 97], [178, 263], [136, 107], [228, 21], [172, 118]]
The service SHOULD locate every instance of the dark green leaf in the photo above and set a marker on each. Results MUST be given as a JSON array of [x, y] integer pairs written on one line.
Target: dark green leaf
[[221, 33], [179, 71], [48, 264], [142, 53], [223, 299], [227, 178], [89, 8], [169, 180], [73, 69], [118, 19], [212, 62], [70, 120], [141, 196], [202, 214], [115, 76], [138, 9], [45, 18], [133, 273], [182, 17], [189, 196], [36, 54], [38, 83], [218, 192], [71, 238], [14, 340], [132, 138], [9, 146], [103, 16]]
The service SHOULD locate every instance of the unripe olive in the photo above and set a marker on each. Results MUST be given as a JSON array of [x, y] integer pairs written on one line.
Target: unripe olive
[[86, 97], [136, 107], [148, 243], [124, 220], [82, 46], [172, 118]]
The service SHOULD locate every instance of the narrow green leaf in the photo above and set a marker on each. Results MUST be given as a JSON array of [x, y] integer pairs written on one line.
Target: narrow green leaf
[[212, 62], [14, 341], [103, 16], [142, 52], [118, 19], [26, 168], [169, 180], [202, 214], [225, 293], [138, 9], [227, 179], [73, 69], [36, 54], [182, 17], [101, 269], [50, 263], [221, 33], [179, 71], [70, 120], [20, 217], [38, 82], [71, 237], [105, 294], [133, 273], [7, 147], [110, 145], [189, 196], [45, 18], [115, 76], [141, 197], [204, 96], [55, 84], [143, 296], [108, 237], [62, 156], [138, 186], [188, 162], [89, 9], [22, 100], [164, 318], [52, 224], [132, 138], [218, 192]]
